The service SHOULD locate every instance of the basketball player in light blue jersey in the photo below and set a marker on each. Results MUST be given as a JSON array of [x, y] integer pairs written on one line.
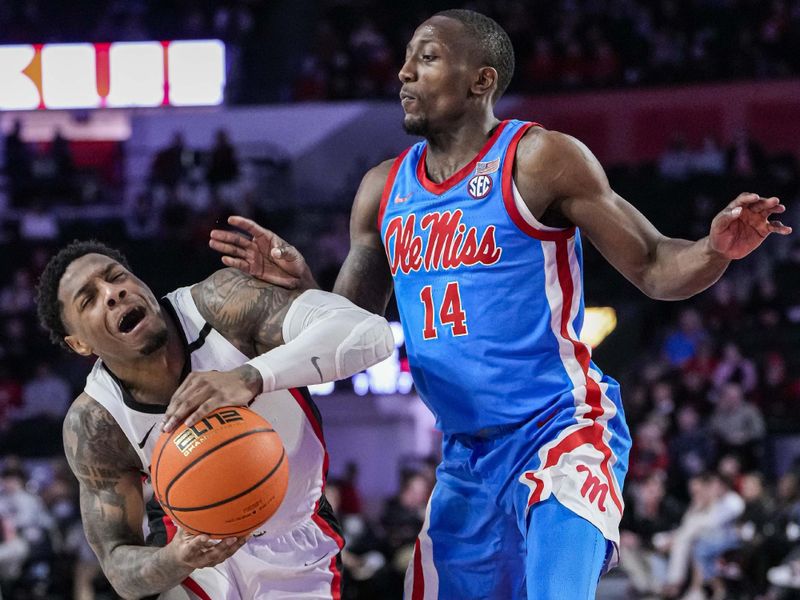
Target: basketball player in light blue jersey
[[478, 230]]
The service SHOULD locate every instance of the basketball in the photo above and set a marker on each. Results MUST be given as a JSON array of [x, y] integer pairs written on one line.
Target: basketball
[[222, 477]]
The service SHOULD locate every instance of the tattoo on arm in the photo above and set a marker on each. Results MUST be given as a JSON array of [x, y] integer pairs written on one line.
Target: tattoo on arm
[[112, 507], [365, 279], [247, 311]]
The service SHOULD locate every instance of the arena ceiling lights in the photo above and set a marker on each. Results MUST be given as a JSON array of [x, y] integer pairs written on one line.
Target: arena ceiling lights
[[115, 75]]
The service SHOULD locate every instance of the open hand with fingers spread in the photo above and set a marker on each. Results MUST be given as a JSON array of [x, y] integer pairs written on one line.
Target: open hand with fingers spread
[[744, 224], [263, 255], [205, 391], [198, 551]]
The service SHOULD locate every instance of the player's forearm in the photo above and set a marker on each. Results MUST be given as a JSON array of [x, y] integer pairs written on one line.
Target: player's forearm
[[140, 571], [681, 269], [327, 338]]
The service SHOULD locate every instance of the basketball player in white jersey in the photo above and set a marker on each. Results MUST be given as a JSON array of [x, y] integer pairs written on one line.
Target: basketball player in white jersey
[[229, 340]]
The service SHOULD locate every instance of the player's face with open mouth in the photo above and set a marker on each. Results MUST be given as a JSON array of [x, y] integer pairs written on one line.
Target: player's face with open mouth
[[107, 310]]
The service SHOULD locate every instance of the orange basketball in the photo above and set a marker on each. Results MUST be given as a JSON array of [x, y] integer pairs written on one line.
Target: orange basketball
[[224, 476]]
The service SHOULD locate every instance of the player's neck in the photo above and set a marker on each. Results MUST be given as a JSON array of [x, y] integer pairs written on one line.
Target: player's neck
[[451, 149], [154, 378]]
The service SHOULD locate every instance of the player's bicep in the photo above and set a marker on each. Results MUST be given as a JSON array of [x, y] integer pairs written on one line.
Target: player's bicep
[[106, 467], [364, 278], [246, 310], [615, 227]]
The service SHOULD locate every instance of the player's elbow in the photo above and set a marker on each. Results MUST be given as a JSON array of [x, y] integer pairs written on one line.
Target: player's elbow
[[656, 290], [370, 341]]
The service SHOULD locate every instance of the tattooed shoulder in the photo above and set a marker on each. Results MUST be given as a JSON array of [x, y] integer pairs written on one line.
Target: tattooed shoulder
[[96, 448], [247, 311]]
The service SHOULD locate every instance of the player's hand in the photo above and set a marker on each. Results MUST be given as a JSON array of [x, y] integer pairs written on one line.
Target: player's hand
[[744, 224], [263, 255], [198, 551], [205, 391]]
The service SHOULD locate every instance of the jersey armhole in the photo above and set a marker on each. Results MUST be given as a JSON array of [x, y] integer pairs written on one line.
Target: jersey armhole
[[514, 203], [387, 188]]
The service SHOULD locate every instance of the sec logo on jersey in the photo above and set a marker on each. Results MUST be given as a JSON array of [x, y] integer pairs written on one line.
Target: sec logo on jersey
[[479, 186]]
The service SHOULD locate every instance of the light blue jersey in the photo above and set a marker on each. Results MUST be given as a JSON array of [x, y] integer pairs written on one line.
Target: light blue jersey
[[491, 302]]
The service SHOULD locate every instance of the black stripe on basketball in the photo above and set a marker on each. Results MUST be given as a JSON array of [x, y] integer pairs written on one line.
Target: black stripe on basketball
[[239, 495], [182, 472], [157, 463]]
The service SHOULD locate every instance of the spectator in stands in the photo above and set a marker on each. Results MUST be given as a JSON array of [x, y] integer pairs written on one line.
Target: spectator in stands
[[649, 512], [691, 449], [38, 224], [223, 164], [706, 530], [681, 345], [745, 157], [37, 422], [64, 168], [738, 425], [676, 161], [14, 551], [171, 164], [709, 159], [17, 165], [734, 367], [786, 271], [755, 526], [649, 452], [17, 298], [765, 307], [403, 515], [779, 394], [351, 503], [143, 217], [724, 311], [10, 394], [33, 524]]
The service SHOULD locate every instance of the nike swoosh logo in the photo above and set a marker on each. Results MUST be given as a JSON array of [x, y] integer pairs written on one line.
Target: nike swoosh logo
[[146, 435], [314, 562], [314, 360], [400, 199]]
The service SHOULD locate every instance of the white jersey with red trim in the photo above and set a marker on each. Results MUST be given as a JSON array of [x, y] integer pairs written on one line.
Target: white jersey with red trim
[[291, 413]]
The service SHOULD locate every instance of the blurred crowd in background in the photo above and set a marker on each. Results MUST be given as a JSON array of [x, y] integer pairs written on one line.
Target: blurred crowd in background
[[352, 48], [712, 501], [710, 386]]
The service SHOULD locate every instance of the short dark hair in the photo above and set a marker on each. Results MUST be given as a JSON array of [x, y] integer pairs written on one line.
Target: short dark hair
[[48, 305], [498, 52]]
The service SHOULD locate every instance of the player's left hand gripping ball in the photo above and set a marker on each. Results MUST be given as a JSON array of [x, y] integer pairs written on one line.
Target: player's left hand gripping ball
[[205, 391]]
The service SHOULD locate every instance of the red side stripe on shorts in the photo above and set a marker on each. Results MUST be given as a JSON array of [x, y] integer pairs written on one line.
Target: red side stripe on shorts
[[336, 581], [592, 433], [194, 587], [418, 591], [387, 188]]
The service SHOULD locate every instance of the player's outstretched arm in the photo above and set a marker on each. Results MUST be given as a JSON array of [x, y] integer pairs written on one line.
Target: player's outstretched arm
[[557, 174], [112, 509], [293, 339]]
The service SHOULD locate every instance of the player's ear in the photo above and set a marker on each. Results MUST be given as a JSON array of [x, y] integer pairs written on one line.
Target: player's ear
[[78, 346], [485, 82]]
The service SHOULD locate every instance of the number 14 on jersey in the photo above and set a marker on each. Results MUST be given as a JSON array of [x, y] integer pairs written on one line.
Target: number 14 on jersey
[[450, 311]]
